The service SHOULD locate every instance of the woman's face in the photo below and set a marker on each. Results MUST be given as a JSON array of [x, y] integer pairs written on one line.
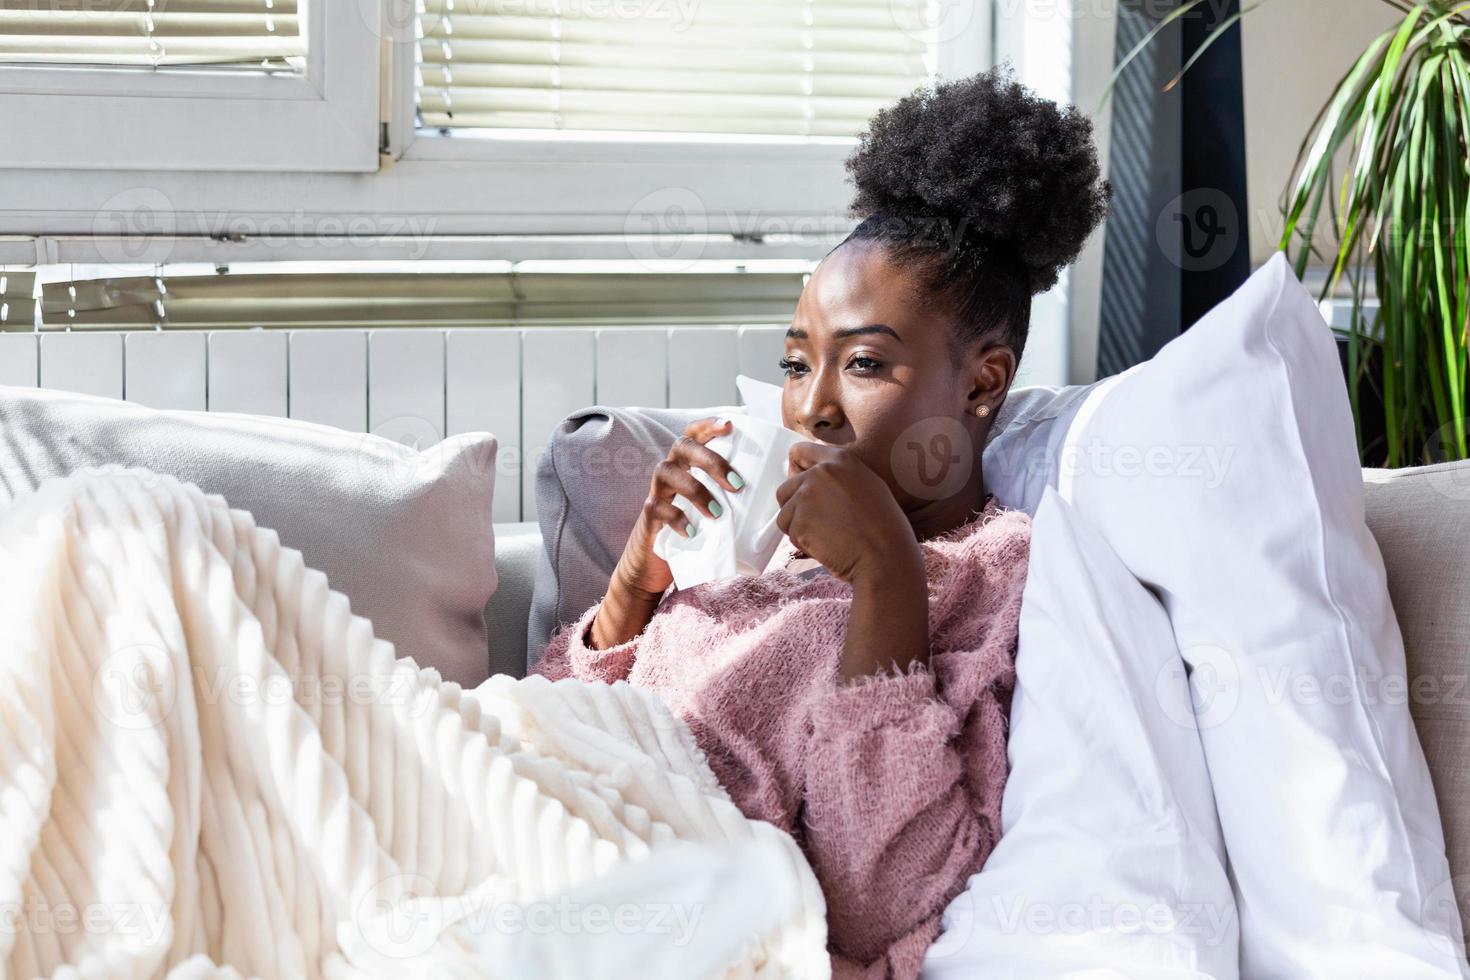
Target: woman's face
[[867, 370]]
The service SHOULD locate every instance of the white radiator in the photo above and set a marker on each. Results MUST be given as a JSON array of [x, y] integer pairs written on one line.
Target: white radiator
[[410, 385]]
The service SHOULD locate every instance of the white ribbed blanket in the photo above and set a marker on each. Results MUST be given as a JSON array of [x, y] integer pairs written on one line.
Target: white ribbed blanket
[[210, 767]]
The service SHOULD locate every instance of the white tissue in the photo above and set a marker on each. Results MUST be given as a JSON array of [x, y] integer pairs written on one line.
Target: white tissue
[[745, 536]]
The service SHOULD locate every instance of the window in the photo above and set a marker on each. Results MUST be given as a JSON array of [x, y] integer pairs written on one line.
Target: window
[[261, 35], [760, 67], [661, 117], [665, 133], [190, 84], [668, 155]]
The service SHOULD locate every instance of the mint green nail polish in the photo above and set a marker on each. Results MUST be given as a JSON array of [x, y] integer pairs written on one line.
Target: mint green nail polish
[[715, 508], [689, 529], [735, 481]]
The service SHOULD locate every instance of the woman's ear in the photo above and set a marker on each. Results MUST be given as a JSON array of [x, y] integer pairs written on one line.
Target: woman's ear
[[989, 371]]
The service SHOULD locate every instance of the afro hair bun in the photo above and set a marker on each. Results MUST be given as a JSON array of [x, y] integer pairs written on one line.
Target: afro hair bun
[[996, 166]]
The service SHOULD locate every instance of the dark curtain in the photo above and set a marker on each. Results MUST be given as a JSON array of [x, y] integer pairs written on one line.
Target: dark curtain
[[1178, 240]]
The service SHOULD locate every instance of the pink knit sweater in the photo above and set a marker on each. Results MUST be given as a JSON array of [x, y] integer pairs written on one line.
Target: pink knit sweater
[[891, 786]]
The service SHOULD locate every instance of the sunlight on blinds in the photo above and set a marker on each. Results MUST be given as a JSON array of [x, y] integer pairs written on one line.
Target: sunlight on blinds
[[759, 67], [186, 298], [259, 34]]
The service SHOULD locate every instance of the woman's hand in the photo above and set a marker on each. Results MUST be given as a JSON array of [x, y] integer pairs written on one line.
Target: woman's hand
[[842, 514], [838, 511], [641, 576]]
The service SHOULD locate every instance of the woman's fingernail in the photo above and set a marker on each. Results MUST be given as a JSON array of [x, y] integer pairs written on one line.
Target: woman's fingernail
[[689, 530], [736, 482], [715, 508]]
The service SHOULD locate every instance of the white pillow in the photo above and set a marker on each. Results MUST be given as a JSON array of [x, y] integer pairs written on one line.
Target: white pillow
[[1024, 453], [1224, 473], [1110, 864]]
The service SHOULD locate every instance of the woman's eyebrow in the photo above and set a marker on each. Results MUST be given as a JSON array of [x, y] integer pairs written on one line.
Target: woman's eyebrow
[[846, 332], [796, 333]]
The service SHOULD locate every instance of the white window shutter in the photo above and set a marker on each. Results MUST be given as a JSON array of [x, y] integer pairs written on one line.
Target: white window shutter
[[756, 67], [258, 34]]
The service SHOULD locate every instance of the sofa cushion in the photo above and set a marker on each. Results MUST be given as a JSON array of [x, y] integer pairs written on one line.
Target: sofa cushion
[[517, 553], [1420, 518], [405, 534]]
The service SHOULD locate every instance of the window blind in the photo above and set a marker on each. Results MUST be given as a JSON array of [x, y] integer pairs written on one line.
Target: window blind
[[769, 67], [376, 299], [259, 34], [17, 305]]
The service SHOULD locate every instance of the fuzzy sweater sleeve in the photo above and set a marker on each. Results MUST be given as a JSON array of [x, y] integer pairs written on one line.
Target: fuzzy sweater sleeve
[[571, 654], [905, 772]]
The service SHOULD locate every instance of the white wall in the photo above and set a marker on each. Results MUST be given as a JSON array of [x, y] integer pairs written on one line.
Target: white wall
[[1295, 52], [1092, 64]]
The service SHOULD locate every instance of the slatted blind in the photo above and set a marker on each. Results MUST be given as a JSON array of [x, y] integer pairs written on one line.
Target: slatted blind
[[17, 308], [259, 34], [377, 299], [771, 67]]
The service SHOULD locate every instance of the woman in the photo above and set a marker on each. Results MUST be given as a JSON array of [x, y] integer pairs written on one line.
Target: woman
[[862, 704]]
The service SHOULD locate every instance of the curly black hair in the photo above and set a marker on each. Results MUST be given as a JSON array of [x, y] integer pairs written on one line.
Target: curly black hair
[[986, 191]]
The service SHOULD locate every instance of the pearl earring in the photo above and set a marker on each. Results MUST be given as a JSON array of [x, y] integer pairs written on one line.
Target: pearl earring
[[983, 411]]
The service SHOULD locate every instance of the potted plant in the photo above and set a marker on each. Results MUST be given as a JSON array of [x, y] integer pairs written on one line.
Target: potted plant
[[1399, 217], [1400, 214]]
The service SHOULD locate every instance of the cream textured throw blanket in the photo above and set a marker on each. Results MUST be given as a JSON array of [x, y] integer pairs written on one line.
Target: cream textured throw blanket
[[210, 768]]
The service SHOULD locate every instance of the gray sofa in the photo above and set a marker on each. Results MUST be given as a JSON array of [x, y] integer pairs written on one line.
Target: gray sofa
[[1421, 520]]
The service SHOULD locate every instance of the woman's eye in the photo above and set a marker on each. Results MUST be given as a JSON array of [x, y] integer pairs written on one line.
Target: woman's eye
[[791, 368], [865, 363]]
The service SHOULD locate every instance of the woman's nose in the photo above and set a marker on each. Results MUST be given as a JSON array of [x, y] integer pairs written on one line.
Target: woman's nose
[[821, 408]]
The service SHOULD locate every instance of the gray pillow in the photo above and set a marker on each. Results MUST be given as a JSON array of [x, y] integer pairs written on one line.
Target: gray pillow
[[1420, 518], [594, 475], [405, 535], [590, 485]]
